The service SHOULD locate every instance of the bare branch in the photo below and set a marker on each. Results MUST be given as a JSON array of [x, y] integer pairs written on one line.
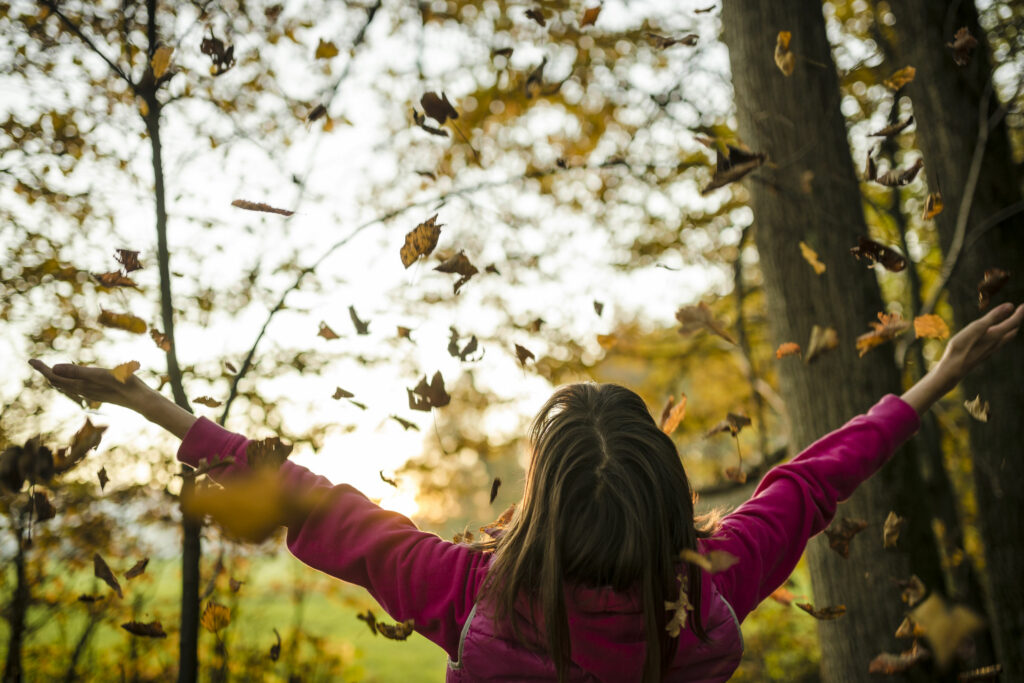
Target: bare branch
[[74, 28]]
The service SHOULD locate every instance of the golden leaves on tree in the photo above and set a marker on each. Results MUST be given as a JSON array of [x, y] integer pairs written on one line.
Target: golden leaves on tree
[[784, 58], [420, 241]]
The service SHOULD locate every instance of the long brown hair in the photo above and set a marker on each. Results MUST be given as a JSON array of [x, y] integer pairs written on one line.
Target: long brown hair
[[607, 503]]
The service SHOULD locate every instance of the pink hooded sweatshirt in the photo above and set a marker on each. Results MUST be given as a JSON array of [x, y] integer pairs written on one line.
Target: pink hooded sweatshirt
[[417, 575]]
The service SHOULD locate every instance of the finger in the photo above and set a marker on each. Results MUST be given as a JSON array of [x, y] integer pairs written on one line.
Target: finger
[[1007, 337], [71, 371], [41, 367], [1012, 322]]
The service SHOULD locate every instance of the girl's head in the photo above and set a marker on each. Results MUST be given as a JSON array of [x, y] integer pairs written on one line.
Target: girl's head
[[607, 503]]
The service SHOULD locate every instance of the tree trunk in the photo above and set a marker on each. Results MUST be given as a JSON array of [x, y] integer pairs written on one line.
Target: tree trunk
[[17, 610], [948, 101], [796, 120]]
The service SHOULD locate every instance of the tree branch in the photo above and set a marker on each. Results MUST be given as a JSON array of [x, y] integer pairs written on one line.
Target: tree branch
[[74, 28]]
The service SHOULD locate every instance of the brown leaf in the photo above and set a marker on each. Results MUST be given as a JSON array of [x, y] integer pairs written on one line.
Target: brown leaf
[[991, 282], [357, 404], [811, 257], [387, 480], [234, 584], [590, 16], [122, 321], [128, 259], [679, 608], [426, 396], [891, 530], [963, 45], [494, 489], [370, 620], [700, 317], [420, 241], [908, 629], [713, 561], [537, 15], [316, 113], [524, 354], [898, 178], [931, 327], [399, 631], [275, 649], [152, 629], [888, 327], [735, 474], [404, 333], [977, 409], [822, 339], [84, 440], [269, 453], [362, 327], [102, 572], [102, 476], [341, 393], [890, 664], [160, 339], [662, 42], [840, 533], [731, 166], [438, 107], [326, 332], [672, 414], [222, 56], [460, 265], [125, 370], [900, 78], [932, 206], [787, 349], [534, 83], [783, 596], [325, 49], [784, 59], [406, 425], [733, 423], [42, 507], [137, 569], [260, 206], [912, 590], [874, 252], [421, 121], [206, 401], [894, 129], [216, 617], [598, 307], [946, 628], [823, 613], [114, 279]]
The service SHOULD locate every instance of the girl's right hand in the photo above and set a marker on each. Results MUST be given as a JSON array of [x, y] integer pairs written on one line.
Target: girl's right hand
[[977, 341]]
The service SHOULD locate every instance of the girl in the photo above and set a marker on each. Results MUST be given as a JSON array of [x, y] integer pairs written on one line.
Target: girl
[[586, 582]]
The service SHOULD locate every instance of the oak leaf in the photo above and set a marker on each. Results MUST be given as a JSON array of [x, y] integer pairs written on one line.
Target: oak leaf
[[679, 608], [931, 327], [160, 339], [85, 439], [128, 259], [420, 241]]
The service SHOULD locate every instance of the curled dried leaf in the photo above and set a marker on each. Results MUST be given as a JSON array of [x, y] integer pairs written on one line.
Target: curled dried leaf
[[420, 241], [460, 265], [269, 453], [977, 408], [325, 49], [963, 45], [406, 425], [945, 627], [151, 629], [932, 206], [874, 252], [590, 15], [207, 401], [122, 321], [370, 619], [891, 530], [890, 664], [137, 569], [842, 532], [114, 279], [388, 480], [731, 165], [894, 129], [991, 282], [823, 613], [101, 570], [900, 78], [888, 327], [260, 206], [362, 326], [160, 339], [897, 177], [495, 485], [673, 414], [341, 393]]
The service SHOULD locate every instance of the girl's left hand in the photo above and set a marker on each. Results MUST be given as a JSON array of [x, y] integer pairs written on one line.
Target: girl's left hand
[[81, 382]]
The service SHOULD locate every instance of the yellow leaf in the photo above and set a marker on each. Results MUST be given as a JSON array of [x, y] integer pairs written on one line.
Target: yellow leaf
[[812, 258], [787, 349], [977, 409], [930, 326], [161, 60], [607, 341], [945, 627], [784, 59], [822, 339], [673, 414], [889, 326], [932, 206], [215, 617], [125, 370], [326, 49], [122, 321], [900, 78]]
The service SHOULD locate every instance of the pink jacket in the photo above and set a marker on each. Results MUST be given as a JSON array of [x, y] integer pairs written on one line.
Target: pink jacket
[[417, 575]]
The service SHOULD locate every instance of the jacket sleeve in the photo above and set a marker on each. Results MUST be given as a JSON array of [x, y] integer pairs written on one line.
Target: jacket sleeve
[[797, 500], [411, 573]]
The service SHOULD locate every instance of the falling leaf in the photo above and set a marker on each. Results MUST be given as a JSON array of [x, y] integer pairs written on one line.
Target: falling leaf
[[890, 664], [494, 489], [713, 561], [269, 453], [840, 533], [325, 49], [405, 333], [783, 596], [891, 530], [732, 165], [160, 339], [811, 257], [912, 591], [977, 409], [733, 423], [152, 629], [807, 182], [607, 341], [161, 60], [84, 440], [822, 339], [704, 10], [672, 414], [590, 16], [460, 265], [908, 629], [361, 326], [888, 327], [505, 52], [260, 206], [524, 354], [90, 598], [946, 628], [420, 241], [341, 393], [206, 401], [101, 570], [898, 178], [222, 56], [784, 59], [252, 508], [128, 259], [230, 368], [700, 317], [679, 608], [900, 78], [932, 206], [535, 325], [537, 15], [326, 332], [787, 349], [963, 45], [114, 279], [598, 307], [357, 404], [991, 282], [930, 327], [421, 121], [406, 425], [122, 321], [275, 649], [874, 252], [370, 620], [735, 474], [535, 80], [426, 396], [662, 42], [438, 107], [823, 613], [894, 129], [42, 507], [234, 584], [316, 113], [399, 631], [102, 476], [125, 370], [137, 569], [216, 617]]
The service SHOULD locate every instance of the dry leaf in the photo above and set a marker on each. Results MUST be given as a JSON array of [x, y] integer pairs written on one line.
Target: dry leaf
[[325, 49], [495, 485], [700, 317], [406, 425], [216, 617], [822, 339], [370, 620], [913, 590], [269, 453], [607, 341], [811, 257], [114, 279], [161, 60], [420, 241], [898, 178], [713, 561], [160, 339], [932, 206], [977, 409], [534, 83], [152, 629], [662, 42], [890, 664], [784, 59], [870, 168], [590, 16], [341, 393], [673, 414], [399, 631], [733, 423], [404, 332], [894, 129], [275, 649], [900, 78], [524, 354], [888, 327], [42, 507], [84, 440], [206, 401], [731, 166], [460, 265], [421, 121], [679, 609], [387, 480], [963, 44], [783, 596], [537, 15], [874, 252], [735, 474], [252, 507], [137, 569], [438, 107], [787, 349], [908, 629], [891, 530], [598, 307], [840, 533], [122, 321], [426, 396], [946, 628], [260, 206], [362, 327], [326, 332], [991, 282], [102, 476], [125, 370], [823, 613], [930, 327], [128, 259], [101, 570], [234, 584], [222, 56]]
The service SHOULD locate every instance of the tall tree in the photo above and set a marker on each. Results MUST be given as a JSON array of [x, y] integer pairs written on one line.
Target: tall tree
[[962, 134], [809, 192]]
